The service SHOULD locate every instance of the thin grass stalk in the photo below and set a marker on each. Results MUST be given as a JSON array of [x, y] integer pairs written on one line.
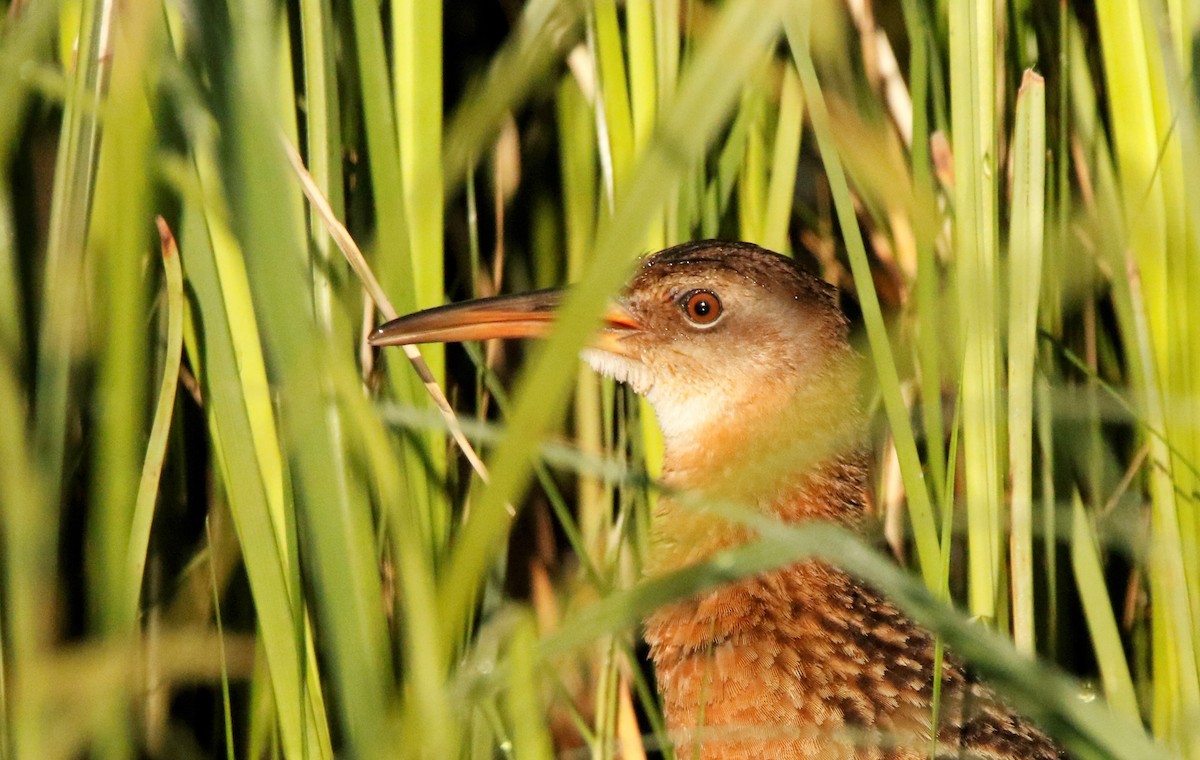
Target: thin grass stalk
[[417, 82], [70, 211], [644, 61], [1026, 225], [577, 151], [666, 69], [312, 701], [919, 506], [654, 72], [643, 71], [323, 151], [33, 569]]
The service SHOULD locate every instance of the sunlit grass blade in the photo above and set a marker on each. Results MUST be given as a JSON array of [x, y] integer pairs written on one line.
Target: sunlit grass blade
[[785, 159], [972, 78], [613, 92], [752, 169], [417, 88], [1026, 224], [1148, 185], [577, 162]]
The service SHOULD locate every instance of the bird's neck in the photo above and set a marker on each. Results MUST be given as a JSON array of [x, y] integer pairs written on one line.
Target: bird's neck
[[791, 453]]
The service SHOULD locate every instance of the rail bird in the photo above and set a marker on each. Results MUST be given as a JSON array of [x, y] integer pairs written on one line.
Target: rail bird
[[746, 362]]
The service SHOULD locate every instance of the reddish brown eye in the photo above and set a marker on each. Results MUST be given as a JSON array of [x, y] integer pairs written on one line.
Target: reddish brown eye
[[702, 307]]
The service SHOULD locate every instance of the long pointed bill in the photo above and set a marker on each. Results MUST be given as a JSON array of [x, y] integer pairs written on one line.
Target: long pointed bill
[[528, 315]]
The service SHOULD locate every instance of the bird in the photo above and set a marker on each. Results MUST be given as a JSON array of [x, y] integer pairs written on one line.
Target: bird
[[746, 360]]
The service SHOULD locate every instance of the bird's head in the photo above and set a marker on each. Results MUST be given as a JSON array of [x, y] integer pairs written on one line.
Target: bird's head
[[736, 349]]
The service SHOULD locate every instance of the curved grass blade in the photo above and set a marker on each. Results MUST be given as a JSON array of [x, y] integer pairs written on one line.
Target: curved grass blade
[[160, 428]]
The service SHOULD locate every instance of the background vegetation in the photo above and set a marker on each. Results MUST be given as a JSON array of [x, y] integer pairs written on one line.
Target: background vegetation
[[229, 529]]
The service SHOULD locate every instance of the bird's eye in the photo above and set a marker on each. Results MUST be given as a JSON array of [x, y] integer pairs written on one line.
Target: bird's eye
[[702, 307]]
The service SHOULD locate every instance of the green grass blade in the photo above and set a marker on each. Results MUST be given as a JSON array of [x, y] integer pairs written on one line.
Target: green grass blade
[[785, 160], [752, 168], [119, 238], [1026, 225], [1146, 161], [972, 82], [236, 460], [529, 738], [613, 92], [160, 428], [1106, 639]]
